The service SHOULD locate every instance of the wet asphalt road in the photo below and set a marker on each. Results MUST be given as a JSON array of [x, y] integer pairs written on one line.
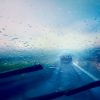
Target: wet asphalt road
[[48, 80]]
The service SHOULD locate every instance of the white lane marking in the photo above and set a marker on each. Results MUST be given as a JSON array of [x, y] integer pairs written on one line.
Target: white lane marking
[[86, 72]]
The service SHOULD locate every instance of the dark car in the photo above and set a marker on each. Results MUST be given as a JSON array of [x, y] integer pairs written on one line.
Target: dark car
[[66, 59]]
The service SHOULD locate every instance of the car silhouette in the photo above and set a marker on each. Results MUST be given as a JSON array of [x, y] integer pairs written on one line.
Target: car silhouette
[[66, 59]]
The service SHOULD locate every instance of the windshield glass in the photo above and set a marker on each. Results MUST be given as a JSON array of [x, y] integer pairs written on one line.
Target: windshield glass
[[63, 36]]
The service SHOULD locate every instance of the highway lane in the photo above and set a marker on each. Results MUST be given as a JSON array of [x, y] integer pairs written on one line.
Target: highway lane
[[64, 77], [59, 77]]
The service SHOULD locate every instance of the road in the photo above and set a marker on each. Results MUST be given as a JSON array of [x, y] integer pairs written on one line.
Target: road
[[51, 79]]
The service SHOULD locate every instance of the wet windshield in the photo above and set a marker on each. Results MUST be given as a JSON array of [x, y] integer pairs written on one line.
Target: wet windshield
[[61, 38]]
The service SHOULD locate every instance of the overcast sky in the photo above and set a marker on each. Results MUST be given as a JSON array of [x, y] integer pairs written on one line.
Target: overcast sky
[[49, 24]]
